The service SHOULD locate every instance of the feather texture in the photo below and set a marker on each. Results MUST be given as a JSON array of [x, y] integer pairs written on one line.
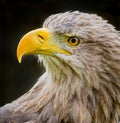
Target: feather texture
[[81, 88]]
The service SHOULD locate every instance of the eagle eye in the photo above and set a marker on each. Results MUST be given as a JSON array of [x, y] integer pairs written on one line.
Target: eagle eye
[[73, 41]]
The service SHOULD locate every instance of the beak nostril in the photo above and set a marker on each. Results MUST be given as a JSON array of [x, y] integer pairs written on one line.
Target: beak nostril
[[41, 37]]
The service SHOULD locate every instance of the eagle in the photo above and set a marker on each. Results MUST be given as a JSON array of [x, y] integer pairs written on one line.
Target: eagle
[[81, 84]]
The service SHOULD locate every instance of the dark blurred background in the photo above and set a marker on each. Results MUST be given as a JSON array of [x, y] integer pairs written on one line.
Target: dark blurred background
[[20, 16]]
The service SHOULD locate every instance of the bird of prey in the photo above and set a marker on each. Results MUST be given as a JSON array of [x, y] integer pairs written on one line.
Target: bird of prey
[[81, 55]]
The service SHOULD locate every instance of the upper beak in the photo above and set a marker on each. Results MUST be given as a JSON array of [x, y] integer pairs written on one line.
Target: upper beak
[[38, 41]]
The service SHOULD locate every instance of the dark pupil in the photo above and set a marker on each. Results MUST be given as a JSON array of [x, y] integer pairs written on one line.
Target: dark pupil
[[73, 40]]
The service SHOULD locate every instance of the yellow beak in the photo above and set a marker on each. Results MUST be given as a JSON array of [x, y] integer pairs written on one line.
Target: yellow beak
[[38, 41]]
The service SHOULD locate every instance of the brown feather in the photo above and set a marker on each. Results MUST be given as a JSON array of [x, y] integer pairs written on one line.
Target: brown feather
[[81, 88]]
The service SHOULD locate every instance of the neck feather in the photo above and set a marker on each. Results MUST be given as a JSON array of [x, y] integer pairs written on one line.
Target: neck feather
[[73, 95]]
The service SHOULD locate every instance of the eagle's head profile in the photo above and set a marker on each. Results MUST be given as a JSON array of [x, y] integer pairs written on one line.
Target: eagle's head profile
[[81, 55]]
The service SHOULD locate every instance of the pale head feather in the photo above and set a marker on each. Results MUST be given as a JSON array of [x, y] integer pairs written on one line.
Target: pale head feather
[[83, 87], [92, 72]]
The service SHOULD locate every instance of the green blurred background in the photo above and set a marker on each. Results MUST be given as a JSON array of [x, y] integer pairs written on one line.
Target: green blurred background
[[20, 16]]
